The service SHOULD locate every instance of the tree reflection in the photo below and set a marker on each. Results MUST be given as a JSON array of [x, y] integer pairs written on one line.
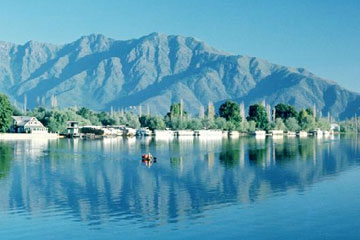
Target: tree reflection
[[286, 151], [176, 161], [230, 154], [6, 156], [90, 179], [307, 148], [257, 155], [257, 150], [270, 151]]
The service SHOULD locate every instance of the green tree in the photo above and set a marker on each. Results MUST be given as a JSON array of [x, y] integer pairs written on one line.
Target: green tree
[[251, 126], [230, 126], [71, 115], [278, 124], [194, 124], [177, 123], [310, 111], [220, 123], [175, 110], [230, 110], [89, 115], [292, 124], [350, 125], [132, 120], [210, 123], [309, 123], [323, 124], [244, 126], [105, 119], [257, 113], [84, 112], [56, 121], [174, 120], [143, 120], [306, 121], [152, 122], [6, 112], [284, 111], [39, 113]]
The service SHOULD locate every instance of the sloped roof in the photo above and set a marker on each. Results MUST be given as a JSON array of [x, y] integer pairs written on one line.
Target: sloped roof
[[23, 120]]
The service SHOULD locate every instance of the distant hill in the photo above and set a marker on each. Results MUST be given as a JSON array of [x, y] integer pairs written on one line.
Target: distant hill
[[156, 70]]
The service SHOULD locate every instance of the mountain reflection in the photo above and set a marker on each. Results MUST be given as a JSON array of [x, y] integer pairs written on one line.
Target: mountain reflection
[[98, 181]]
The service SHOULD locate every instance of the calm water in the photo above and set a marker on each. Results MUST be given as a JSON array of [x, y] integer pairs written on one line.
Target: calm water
[[243, 188]]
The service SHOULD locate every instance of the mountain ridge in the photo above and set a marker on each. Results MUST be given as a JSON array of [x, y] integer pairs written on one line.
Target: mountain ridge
[[157, 69]]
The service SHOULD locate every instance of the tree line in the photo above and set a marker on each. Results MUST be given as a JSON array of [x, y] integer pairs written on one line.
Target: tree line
[[230, 116]]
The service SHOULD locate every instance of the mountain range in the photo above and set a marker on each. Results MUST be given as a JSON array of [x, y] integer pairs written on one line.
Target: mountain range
[[156, 70]]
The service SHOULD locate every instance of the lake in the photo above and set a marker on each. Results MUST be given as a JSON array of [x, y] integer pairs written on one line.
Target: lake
[[244, 188]]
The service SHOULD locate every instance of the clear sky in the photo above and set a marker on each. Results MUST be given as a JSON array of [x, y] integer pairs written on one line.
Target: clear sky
[[320, 35]]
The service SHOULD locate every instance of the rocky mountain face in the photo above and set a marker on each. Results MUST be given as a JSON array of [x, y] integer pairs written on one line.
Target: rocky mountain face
[[156, 70]]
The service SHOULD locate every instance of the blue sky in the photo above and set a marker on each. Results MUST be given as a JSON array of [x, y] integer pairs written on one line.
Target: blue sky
[[322, 36]]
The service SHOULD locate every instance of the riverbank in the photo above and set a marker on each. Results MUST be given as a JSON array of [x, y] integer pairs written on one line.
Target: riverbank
[[28, 136]]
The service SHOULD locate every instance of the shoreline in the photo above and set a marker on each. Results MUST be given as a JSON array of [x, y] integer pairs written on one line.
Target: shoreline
[[28, 136], [31, 136]]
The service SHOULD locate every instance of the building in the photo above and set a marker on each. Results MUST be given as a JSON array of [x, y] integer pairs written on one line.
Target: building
[[26, 124], [72, 129]]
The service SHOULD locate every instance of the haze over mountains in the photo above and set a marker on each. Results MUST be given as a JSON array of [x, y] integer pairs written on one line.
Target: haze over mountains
[[156, 70]]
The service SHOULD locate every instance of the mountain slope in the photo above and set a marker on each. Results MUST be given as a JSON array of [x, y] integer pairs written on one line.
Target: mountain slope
[[156, 70]]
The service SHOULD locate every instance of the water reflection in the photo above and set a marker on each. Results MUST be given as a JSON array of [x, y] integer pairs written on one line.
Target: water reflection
[[176, 162], [101, 181], [230, 153], [6, 155]]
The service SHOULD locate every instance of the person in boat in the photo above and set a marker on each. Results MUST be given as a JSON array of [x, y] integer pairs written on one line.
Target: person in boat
[[147, 157]]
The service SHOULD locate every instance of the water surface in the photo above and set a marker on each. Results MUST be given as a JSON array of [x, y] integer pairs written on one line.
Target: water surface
[[286, 188]]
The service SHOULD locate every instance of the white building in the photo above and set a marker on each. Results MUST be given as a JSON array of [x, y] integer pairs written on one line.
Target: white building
[[72, 128], [26, 124]]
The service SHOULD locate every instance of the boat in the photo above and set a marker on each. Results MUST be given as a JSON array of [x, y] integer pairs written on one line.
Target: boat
[[148, 157]]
